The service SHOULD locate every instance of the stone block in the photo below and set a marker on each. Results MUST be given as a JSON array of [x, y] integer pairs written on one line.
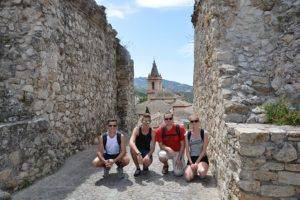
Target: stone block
[[289, 178], [15, 157], [251, 135], [252, 150], [253, 163], [277, 191], [287, 153], [292, 167], [4, 195], [265, 176], [4, 174], [249, 186]]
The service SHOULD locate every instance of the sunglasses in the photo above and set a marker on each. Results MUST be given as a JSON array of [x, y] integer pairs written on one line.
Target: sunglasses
[[112, 125], [194, 121], [169, 118], [146, 121]]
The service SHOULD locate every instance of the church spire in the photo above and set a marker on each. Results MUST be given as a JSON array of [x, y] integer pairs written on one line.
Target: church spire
[[154, 71]]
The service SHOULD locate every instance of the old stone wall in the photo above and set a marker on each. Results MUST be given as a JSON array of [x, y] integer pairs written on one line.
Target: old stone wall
[[247, 51], [63, 74], [246, 54], [262, 162]]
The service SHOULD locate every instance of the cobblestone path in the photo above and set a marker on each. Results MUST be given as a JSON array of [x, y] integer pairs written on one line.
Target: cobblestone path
[[77, 179]]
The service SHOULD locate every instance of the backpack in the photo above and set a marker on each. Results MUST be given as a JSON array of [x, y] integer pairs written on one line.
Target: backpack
[[164, 131], [189, 134], [104, 138]]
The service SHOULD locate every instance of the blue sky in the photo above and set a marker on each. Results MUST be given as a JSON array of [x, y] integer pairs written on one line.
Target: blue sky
[[159, 29]]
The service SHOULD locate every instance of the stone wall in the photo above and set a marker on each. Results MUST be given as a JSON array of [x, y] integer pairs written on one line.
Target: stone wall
[[61, 65], [261, 162], [247, 52]]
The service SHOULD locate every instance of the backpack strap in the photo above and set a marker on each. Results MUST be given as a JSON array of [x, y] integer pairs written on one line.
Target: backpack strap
[[178, 130], [202, 134], [104, 138], [163, 133], [189, 134], [119, 138]]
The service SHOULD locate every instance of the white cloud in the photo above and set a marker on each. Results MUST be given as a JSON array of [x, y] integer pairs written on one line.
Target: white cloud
[[164, 3], [187, 50], [117, 11]]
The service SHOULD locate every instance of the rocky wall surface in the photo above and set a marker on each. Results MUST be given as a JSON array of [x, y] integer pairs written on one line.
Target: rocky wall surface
[[60, 63], [262, 162], [249, 52]]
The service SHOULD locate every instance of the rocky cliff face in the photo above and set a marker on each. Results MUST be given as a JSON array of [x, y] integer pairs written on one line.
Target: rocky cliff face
[[62, 69]]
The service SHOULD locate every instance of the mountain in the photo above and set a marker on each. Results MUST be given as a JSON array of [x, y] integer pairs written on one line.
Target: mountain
[[141, 84]]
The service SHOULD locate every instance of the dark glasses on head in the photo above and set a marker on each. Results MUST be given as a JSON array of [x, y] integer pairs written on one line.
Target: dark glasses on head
[[194, 121], [112, 125], [170, 118]]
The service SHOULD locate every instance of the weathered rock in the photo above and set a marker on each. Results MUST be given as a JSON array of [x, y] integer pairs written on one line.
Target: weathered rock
[[277, 191], [252, 150], [250, 186], [4, 195], [287, 153], [289, 178]]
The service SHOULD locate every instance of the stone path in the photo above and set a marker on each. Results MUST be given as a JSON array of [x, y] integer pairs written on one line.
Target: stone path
[[77, 179]]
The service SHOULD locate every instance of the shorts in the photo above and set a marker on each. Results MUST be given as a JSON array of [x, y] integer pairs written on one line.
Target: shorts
[[110, 156], [194, 158], [178, 171], [144, 152]]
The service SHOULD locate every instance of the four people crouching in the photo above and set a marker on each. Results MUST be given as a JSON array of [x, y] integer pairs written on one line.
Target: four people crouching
[[172, 141]]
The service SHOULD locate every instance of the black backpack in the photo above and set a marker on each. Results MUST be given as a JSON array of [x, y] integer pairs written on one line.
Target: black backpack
[[104, 138], [164, 131], [189, 134]]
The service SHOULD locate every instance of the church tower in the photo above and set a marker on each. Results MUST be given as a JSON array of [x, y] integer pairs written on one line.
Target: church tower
[[154, 82]]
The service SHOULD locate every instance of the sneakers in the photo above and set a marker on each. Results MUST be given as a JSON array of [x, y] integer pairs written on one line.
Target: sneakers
[[165, 169], [145, 168], [137, 172], [106, 172], [120, 172]]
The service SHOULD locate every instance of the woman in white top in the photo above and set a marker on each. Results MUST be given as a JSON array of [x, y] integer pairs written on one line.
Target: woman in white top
[[196, 142]]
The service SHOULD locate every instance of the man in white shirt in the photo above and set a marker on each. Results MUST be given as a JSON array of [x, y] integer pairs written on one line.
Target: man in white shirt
[[111, 150]]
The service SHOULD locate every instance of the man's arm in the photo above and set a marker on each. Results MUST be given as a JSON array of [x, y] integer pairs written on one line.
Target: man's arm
[[123, 149], [152, 144], [101, 150], [132, 140], [182, 141]]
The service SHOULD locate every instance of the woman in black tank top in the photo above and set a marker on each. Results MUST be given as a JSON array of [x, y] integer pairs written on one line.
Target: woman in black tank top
[[142, 144]]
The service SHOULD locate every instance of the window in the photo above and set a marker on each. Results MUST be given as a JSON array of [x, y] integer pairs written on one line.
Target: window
[[152, 85]]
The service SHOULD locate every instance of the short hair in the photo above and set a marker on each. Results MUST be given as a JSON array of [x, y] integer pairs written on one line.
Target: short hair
[[168, 113], [193, 116], [146, 115], [111, 120]]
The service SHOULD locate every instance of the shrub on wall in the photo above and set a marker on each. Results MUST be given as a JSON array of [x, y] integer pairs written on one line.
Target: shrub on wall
[[279, 113]]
